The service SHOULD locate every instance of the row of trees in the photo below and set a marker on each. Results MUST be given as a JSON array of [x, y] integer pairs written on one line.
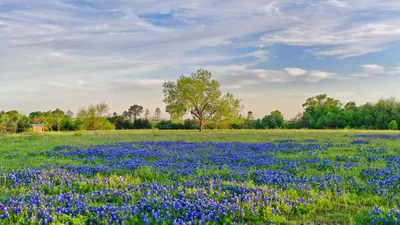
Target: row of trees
[[94, 117], [131, 119], [323, 112], [272, 121], [14, 122], [135, 111], [199, 97]]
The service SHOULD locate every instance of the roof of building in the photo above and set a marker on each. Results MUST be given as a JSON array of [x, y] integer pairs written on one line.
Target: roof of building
[[38, 125]]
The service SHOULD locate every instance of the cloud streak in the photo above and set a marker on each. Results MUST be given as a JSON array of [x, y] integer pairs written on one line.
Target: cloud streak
[[94, 50]]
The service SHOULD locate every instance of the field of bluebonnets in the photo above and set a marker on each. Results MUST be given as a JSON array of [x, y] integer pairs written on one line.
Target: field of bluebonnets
[[225, 177]]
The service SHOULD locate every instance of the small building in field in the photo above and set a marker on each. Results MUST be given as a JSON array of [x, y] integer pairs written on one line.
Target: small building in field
[[38, 128]]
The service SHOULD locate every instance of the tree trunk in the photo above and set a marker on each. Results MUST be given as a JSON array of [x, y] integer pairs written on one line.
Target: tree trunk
[[201, 125]]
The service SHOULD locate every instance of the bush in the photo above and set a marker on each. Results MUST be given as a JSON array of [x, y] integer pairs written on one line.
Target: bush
[[122, 124], [189, 125], [68, 124], [146, 124], [106, 125], [237, 126], [393, 125], [168, 125], [292, 125], [164, 125], [142, 124], [137, 124]]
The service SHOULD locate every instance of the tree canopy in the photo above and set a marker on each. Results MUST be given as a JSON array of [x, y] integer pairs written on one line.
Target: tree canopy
[[199, 95], [322, 112], [135, 111]]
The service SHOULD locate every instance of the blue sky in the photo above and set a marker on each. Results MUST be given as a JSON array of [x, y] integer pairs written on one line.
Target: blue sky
[[271, 54]]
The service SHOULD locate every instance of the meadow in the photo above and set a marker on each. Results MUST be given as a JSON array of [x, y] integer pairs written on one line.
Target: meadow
[[212, 177]]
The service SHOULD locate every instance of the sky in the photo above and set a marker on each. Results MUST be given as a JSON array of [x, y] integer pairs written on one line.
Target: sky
[[270, 54]]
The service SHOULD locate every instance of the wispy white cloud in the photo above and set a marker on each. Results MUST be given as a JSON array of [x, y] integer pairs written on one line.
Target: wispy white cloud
[[317, 75], [341, 28], [239, 76], [295, 71], [337, 3], [373, 68], [89, 50], [338, 40]]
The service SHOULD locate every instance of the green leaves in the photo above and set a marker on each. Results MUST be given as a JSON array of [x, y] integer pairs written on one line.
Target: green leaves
[[393, 125], [94, 118], [273, 120], [200, 95]]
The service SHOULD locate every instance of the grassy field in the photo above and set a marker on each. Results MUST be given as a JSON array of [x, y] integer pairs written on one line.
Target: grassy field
[[307, 176]]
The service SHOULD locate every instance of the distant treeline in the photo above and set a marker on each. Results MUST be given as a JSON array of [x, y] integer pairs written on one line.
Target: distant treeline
[[199, 96], [320, 112]]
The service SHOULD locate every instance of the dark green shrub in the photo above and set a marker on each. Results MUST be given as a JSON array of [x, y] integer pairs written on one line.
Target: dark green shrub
[[393, 125]]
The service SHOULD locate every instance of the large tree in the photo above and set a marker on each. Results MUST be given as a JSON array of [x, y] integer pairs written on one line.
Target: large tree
[[273, 120], [316, 112], [135, 111], [199, 95]]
